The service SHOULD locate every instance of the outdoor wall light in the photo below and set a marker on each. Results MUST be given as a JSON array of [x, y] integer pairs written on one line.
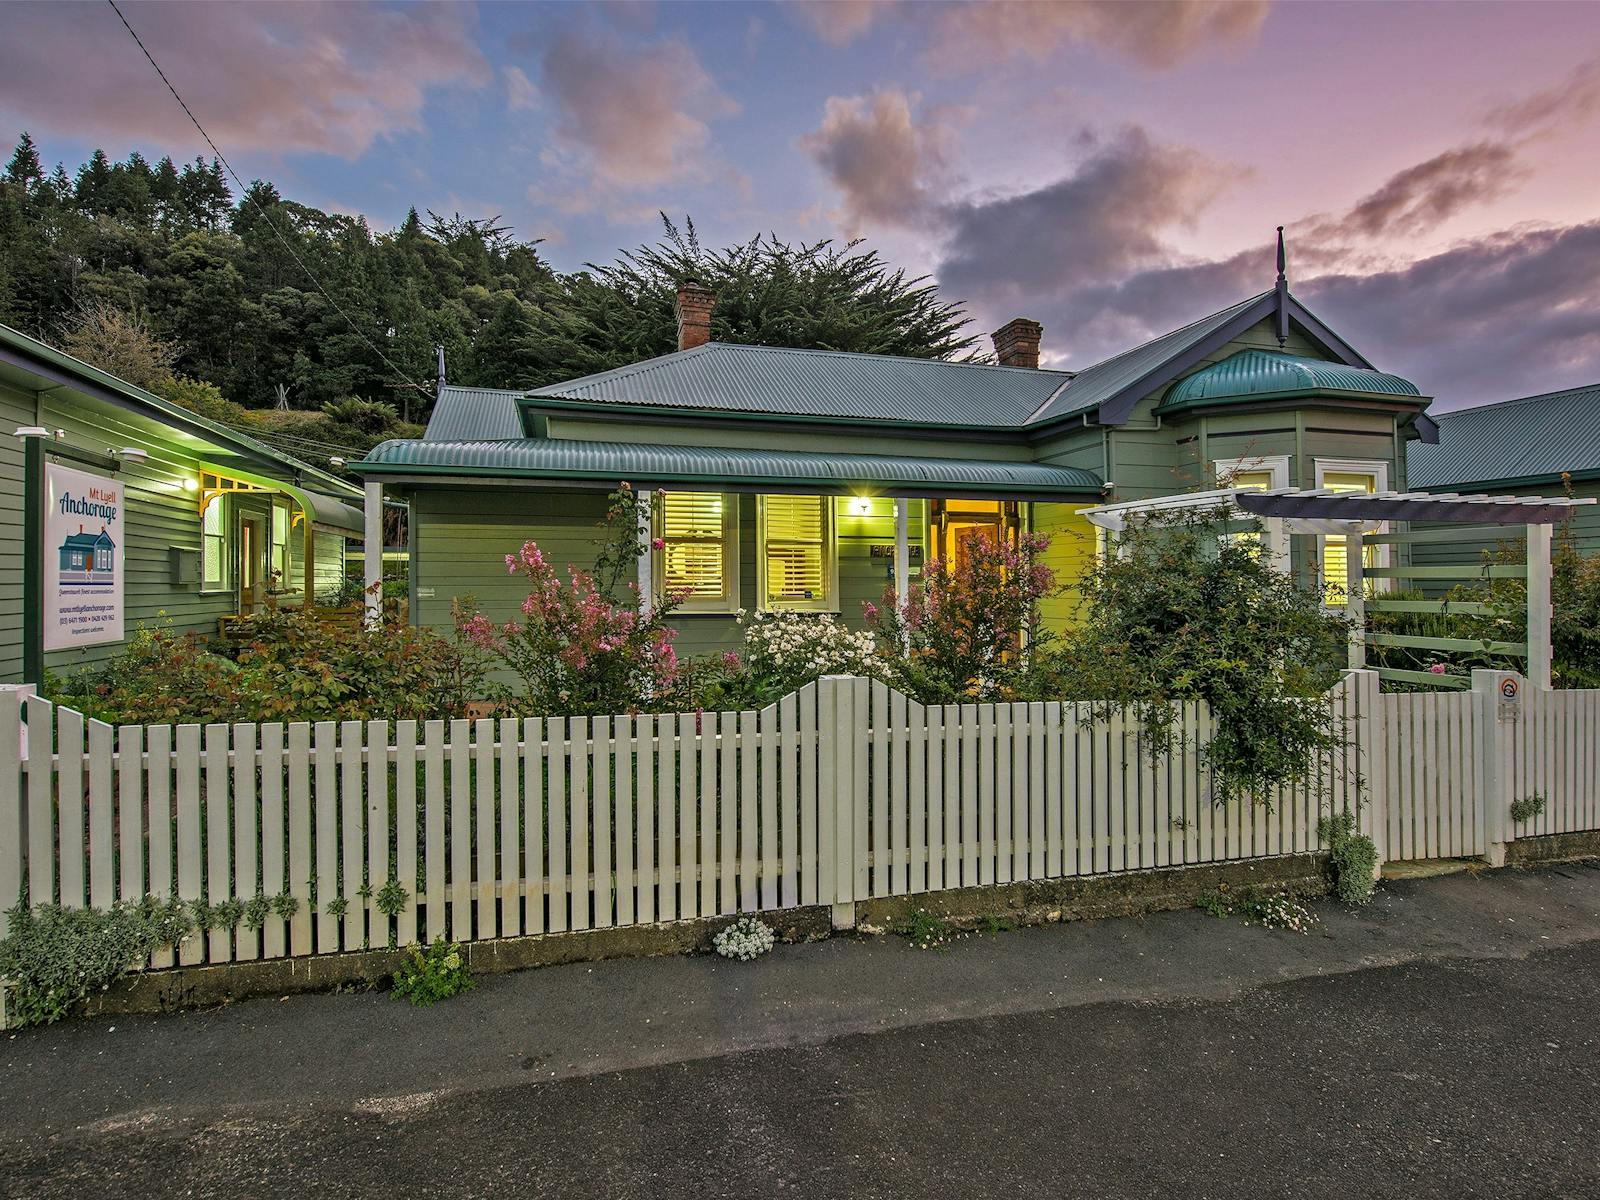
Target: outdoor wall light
[[861, 505], [31, 431], [131, 454], [191, 484]]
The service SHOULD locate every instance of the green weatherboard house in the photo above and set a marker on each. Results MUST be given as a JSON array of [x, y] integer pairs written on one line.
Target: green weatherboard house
[[806, 479], [216, 523]]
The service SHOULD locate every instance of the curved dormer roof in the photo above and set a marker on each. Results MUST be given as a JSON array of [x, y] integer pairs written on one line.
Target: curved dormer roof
[[1257, 375]]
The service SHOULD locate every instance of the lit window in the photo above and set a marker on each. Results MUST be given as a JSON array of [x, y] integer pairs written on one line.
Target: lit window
[[1335, 559], [1256, 481], [213, 546], [797, 559], [279, 562], [698, 534]]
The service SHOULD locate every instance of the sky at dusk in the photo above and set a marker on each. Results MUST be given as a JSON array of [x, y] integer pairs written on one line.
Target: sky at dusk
[[1112, 170]]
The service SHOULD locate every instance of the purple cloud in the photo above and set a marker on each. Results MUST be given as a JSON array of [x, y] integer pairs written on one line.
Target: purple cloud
[[885, 161]]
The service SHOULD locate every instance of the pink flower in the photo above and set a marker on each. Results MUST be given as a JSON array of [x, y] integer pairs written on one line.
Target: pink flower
[[1437, 668], [730, 659], [658, 544]]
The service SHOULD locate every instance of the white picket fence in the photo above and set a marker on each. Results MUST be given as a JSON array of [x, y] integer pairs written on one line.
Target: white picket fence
[[342, 836]]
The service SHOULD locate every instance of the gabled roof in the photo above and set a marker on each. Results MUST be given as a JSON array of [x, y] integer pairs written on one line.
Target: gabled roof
[[1536, 438], [86, 540], [1254, 375], [772, 381], [556, 460], [1114, 386], [465, 413]]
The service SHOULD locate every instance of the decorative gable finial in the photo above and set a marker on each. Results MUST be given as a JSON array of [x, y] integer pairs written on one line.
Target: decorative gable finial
[[1282, 293]]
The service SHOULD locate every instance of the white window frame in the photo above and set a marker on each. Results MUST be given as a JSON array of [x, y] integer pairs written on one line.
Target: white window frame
[[830, 562], [229, 543], [730, 557], [1274, 535], [1378, 468]]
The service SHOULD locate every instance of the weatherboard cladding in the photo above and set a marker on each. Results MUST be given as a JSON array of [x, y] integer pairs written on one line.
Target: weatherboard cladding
[[1251, 374], [1531, 438], [644, 464], [777, 381]]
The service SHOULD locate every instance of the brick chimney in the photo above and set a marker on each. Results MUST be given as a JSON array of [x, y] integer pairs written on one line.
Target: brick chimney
[[1016, 343], [694, 314]]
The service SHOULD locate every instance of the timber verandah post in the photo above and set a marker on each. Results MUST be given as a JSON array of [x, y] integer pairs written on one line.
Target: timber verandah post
[[1498, 710]]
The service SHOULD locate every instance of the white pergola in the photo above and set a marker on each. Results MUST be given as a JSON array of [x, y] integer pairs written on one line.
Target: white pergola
[[1323, 512]]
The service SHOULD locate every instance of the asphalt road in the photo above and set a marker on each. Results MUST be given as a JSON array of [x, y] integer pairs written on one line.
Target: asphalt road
[[1442, 1042]]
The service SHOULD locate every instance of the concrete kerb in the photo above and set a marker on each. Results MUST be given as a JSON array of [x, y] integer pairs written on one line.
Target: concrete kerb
[[1128, 894], [1552, 848]]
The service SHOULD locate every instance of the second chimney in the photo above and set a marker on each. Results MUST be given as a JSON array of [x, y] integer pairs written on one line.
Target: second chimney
[[1016, 343], [694, 314]]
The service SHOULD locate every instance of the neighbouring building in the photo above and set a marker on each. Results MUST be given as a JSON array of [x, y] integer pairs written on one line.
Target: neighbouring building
[[1547, 445], [811, 479], [119, 510]]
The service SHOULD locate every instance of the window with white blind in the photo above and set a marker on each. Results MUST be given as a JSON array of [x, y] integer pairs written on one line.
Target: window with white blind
[[1344, 476], [699, 551], [797, 552]]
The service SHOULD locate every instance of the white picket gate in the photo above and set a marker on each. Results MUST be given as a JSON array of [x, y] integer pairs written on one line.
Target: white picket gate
[[340, 836]]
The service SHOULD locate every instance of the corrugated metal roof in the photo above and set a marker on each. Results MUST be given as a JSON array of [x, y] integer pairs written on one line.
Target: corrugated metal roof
[[1530, 438], [464, 413], [726, 467], [1252, 374], [778, 381], [1094, 385]]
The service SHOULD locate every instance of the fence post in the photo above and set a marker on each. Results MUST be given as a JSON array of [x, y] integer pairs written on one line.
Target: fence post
[[1498, 696], [841, 743], [1372, 749]]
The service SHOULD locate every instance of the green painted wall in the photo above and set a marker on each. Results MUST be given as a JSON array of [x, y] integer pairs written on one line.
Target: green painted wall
[[161, 516], [463, 536]]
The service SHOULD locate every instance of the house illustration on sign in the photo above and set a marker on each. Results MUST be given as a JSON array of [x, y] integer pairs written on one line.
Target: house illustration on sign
[[88, 558]]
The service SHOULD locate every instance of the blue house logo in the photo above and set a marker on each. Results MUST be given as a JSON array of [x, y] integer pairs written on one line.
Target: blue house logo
[[89, 558]]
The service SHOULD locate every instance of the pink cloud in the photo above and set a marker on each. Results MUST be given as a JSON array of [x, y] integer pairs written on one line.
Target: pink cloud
[[275, 77], [637, 115], [885, 160], [962, 36]]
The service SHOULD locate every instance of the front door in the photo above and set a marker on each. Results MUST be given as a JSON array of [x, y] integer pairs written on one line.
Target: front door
[[959, 523], [254, 546]]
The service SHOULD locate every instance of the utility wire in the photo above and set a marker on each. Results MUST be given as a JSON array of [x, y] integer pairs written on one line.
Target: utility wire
[[245, 195]]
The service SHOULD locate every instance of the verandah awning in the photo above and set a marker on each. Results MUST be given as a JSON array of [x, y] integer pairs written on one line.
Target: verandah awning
[[564, 462], [1324, 511]]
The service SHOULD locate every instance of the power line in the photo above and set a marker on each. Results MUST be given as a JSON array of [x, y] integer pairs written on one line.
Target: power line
[[245, 194]]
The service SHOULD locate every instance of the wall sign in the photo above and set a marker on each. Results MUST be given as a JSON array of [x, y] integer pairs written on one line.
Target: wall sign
[[84, 544]]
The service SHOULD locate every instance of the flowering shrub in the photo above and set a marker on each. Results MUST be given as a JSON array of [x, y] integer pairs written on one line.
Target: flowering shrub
[[1183, 612], [1277, 912], [582, 645], [743, 940], [971, 630], [782, 651], [435, 973], [288, 665]]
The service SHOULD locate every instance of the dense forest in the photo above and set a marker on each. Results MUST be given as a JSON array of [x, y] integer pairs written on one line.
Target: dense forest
[[313, 330]]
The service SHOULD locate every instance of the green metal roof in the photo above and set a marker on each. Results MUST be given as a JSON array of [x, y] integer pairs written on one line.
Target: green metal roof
[[773, 381], [467, 413], [36, 359], [1536, 437], [724, 468], [1266, 374], [1094, 385]]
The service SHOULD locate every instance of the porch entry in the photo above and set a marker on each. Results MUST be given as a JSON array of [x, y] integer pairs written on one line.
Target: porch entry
[[255, 571], [954, 525]]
